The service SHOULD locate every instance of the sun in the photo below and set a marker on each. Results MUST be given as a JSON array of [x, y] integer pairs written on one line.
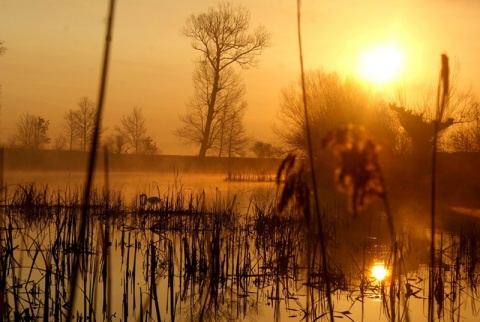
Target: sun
[[379, 271], [381, 64]]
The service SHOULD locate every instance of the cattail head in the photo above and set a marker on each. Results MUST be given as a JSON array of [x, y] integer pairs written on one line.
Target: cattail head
[[358, 173], [296, 191]]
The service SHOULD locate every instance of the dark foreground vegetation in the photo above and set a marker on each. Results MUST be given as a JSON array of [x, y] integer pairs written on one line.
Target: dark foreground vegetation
[[183, 257], [305, 254]]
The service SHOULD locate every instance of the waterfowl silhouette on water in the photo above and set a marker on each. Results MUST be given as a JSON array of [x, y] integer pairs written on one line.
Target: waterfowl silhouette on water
[[150, 202]]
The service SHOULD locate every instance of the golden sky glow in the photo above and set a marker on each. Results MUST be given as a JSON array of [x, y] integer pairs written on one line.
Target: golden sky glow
[[55, 49]]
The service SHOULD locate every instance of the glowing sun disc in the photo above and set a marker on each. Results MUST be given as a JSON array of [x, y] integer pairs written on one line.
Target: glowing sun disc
[[379, 272], [381, 64]]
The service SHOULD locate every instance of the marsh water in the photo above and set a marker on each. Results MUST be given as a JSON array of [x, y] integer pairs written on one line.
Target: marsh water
[[214, 250]]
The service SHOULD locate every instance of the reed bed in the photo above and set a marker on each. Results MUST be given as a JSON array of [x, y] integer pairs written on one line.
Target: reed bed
[[182, 257], [250, 177], [193, 259]]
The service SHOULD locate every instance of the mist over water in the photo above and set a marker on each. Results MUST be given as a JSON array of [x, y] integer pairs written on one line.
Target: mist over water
[[262, 271], [158, 184], [173, 239]]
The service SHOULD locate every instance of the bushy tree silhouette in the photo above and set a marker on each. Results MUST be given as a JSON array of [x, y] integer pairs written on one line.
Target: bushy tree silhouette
[[333, 102], [31, 132]]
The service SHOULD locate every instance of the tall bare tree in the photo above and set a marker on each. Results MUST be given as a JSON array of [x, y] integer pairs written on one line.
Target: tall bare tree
[[79, 124], [232, 138], [133, 130], [31, 132], [229, 112], [70, 127], [221, 36], [85, 121]]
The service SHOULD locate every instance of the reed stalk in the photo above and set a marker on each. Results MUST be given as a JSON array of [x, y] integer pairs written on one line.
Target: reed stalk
[[93, 155], [312, 169], [442, 102]]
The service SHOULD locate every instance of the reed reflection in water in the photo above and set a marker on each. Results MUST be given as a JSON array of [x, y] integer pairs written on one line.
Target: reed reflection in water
[[204, 259]]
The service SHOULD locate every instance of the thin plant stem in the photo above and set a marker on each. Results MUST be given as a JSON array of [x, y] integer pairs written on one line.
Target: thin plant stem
[[105, 244], [442, 101], [93, 155], [393, 236], [312, 167]]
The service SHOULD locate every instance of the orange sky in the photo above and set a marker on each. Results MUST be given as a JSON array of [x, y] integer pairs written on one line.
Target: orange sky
[[55, 50]]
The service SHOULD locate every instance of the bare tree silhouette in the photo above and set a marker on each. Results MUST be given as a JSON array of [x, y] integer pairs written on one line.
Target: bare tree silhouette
[[79, 124], [31, 132], [222, 38], [133, 130]]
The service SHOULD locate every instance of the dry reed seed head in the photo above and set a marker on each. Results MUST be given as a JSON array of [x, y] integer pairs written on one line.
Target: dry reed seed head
[[296, 191], [286, 167], [358, 173]]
